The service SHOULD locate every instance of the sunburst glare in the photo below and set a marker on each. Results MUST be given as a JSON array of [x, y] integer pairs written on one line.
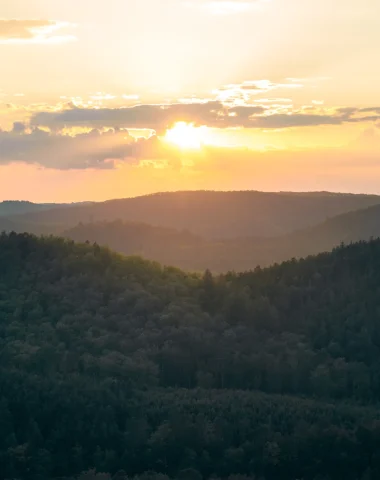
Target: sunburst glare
[[186, 136]]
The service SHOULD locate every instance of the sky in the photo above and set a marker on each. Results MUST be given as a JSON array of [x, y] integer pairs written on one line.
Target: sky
[[118, 98]]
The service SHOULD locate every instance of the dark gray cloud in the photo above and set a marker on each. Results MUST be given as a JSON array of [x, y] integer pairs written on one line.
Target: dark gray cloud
[[155, 117], [19, 127], [244, 112], [98, 150], [213, 114], [369, 109], [283, 120]]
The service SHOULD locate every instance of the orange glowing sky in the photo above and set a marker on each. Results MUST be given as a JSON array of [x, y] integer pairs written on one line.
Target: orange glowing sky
[[120, 98]]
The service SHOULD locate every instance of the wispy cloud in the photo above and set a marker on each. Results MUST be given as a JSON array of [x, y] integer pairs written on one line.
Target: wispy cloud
[[16, 31], [241, 93]]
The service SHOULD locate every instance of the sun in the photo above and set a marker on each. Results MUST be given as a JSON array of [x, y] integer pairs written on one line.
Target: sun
[[185, 136]]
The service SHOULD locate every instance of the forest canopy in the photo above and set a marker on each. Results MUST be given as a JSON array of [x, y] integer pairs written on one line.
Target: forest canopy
[[117, 364]]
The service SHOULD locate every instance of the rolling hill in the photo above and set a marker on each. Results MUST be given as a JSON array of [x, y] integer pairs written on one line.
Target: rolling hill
[[212, 215], [11, 207], [349, 227], [15, 207], [191, 252]]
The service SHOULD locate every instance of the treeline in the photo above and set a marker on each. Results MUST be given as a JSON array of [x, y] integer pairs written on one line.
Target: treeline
[[117, 363]]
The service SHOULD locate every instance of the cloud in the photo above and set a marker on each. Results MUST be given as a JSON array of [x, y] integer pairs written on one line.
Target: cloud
[[241, 93], [213, 114], [33, 31], [154, 117], [245, 111], [113, 148], [93, 150]]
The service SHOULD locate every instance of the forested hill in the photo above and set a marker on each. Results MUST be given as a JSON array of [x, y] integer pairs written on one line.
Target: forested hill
[[10, 207], [190, 252], [165, 245], [117, 363], [348, 227], [18, 207], [210, 214], [19, 216]]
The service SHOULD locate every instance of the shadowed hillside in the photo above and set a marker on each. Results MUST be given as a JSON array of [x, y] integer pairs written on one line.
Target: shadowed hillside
[[190, 252], [350, 227]]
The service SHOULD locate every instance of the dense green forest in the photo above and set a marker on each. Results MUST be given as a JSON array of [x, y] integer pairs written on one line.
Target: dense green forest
[[212, 215], [117, 364]]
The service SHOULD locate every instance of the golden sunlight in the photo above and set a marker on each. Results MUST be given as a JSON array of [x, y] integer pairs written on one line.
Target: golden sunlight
[[185, 135]]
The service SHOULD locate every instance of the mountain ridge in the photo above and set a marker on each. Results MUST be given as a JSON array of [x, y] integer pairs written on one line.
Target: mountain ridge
[[209, 214]]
